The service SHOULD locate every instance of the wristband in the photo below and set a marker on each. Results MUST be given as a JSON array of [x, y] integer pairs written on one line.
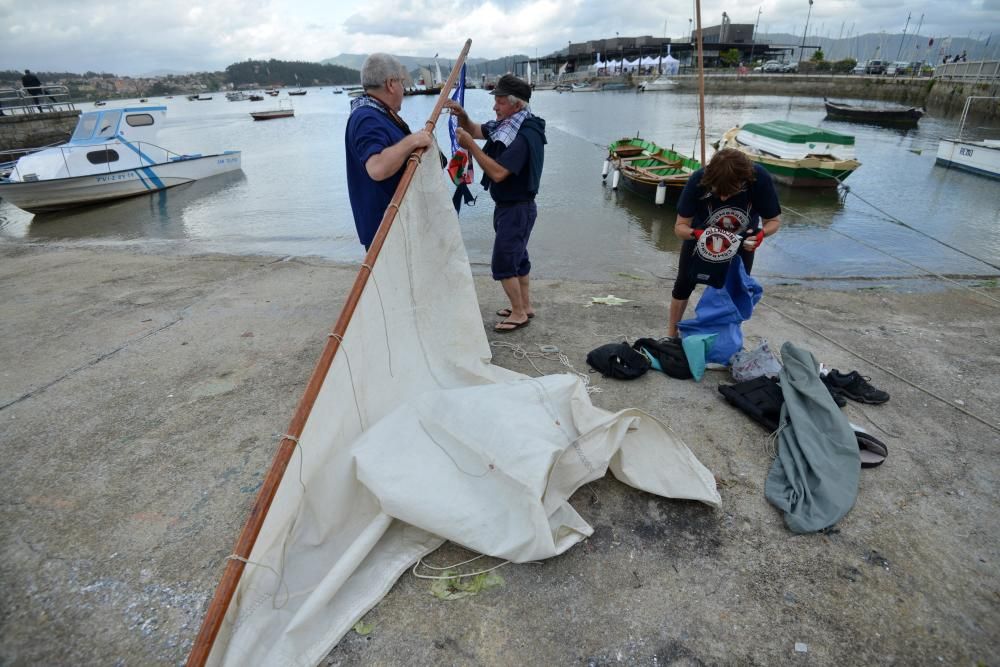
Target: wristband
[[697, 233]]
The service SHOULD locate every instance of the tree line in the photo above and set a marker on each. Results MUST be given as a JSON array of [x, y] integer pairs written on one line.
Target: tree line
[[289, 73]]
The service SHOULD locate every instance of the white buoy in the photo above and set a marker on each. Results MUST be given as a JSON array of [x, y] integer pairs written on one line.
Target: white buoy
[[615, 178], [661, 193], [604, 171]]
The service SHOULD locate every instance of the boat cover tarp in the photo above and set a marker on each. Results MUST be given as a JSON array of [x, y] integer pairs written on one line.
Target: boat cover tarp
[[416, 437]]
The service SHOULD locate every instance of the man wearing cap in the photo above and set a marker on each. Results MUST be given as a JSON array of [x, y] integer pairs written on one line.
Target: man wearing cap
[[511, 161], [378, 143]]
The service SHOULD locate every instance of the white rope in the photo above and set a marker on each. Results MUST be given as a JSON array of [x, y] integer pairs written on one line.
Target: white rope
[[460, 575], [350, 373], [550, 353], [385, 323]]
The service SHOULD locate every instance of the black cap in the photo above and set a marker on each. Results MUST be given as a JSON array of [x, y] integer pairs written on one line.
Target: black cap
[[509, 84]]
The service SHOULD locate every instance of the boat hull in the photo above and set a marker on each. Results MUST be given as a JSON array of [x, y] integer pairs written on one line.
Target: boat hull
[[271, 115], [855, 114], [644, 165], [58, 194], [974, 157], [806, 172]]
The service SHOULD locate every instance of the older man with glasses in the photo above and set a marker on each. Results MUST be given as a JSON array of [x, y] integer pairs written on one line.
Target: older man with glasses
[[377, 143]]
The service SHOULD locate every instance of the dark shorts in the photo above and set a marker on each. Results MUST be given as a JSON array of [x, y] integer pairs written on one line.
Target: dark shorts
[[513, 225], [685, 283]]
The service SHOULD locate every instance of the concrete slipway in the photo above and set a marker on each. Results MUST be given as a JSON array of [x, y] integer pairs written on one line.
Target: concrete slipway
[[141, 396]]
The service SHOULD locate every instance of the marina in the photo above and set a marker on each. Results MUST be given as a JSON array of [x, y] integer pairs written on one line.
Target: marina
[[586, 230]]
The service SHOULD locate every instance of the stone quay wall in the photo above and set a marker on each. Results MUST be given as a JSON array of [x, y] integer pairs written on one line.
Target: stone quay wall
[[36, 129]]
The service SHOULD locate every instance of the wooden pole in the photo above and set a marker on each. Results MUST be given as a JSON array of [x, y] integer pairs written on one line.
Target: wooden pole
[[251, 529], [701, 83]]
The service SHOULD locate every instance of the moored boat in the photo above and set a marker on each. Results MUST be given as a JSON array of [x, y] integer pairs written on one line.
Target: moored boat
[[284, 110], [649, 170], [879, 115], [111, 155], [976, 156], [660, 83], [794, 154], [297, 92]]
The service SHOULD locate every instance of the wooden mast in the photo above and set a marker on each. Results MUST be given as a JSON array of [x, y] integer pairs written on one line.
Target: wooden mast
[[251, 529], [701, 82]]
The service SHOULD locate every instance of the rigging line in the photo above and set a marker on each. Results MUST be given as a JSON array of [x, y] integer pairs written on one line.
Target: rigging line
[[897, 221], [898, 259], [891, 372], [849, 190]]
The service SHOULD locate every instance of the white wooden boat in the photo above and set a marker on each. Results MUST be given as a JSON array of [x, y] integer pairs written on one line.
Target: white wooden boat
[[660, 83], [110, 155], [794, 154], [978, 157]]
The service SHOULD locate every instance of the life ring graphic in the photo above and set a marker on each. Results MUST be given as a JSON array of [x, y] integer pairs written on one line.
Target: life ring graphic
[[730, 219], [718, 245]]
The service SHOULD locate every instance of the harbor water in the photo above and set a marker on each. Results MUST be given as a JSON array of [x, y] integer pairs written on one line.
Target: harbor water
[[901, 218]]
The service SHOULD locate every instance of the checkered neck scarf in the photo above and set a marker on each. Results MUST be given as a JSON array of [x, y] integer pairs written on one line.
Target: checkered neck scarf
[[369, 101], [505, 130]]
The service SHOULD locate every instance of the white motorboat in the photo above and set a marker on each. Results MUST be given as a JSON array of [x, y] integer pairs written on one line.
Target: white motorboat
[[660, 83], [979, 157], [111, 155]]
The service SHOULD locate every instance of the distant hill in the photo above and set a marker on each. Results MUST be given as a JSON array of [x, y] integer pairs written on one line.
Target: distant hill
[[887, 47], [477, 67]]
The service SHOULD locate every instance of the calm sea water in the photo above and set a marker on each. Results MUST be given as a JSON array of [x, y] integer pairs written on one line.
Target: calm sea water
[[291, 197]]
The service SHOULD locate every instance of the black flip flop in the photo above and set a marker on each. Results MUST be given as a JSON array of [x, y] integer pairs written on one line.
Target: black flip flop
[[505, 312], [517, 325], [873, 451]]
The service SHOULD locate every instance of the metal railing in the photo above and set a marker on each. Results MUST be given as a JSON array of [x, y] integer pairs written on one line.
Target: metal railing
[[18, 101], [148, 154], [977, 71]]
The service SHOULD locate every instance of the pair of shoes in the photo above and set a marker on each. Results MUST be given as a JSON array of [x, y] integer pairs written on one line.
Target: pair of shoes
[[507, 326], [505, 312], [872, 450], [854, 386]]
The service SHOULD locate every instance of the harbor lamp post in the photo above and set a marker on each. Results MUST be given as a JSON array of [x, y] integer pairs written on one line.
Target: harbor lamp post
[[802, 49]]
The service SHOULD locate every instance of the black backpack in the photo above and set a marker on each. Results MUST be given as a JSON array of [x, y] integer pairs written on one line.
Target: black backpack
[[669, 353], [619, 361]]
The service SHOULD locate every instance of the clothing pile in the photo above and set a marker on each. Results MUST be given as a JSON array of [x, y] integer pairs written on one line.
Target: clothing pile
[[814, 477]]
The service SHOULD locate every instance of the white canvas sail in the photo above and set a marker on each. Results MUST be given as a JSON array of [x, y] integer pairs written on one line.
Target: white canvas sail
[[381, 471]]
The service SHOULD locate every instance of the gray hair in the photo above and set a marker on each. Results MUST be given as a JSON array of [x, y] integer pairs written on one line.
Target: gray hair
[[379, 68], [514, 99]]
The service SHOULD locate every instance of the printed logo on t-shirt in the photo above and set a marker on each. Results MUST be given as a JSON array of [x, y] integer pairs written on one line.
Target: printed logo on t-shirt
[[717, 245], [729, 218]]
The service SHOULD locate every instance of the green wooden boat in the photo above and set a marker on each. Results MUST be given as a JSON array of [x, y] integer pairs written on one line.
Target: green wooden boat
[[795, 154], [643, 167]]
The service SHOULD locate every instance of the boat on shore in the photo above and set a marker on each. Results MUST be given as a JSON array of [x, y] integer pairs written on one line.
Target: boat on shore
[[111, 155], [975, 156], [649, 170], [794, 154], [897, 115]]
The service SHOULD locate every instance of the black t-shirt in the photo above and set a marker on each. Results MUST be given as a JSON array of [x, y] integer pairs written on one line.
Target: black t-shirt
[[737, 216], [740, 214]]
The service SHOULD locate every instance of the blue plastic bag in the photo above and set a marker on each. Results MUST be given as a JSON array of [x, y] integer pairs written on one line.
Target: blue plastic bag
[[723, 311]]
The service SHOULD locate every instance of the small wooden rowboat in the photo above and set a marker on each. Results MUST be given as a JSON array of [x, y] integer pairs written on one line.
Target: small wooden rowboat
[[649, 170], [877, 115]]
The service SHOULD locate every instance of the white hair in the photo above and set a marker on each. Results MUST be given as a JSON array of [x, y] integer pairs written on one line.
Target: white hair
[[379, 68], [514, 99]]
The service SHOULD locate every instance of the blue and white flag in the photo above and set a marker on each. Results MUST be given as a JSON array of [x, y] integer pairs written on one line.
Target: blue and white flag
[[458, 96]]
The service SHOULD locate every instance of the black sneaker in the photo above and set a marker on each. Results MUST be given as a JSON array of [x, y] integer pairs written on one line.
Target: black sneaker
[[836, 394], [855, 387]]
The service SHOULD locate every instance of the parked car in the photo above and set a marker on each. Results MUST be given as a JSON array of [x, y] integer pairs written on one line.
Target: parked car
[[899, 68], [860, 68], [875, 67], [789, 68], [769, 66]]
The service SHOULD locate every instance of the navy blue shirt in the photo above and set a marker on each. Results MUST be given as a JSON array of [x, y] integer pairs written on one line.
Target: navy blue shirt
[[513, 158], [740, 214], [369, 132]]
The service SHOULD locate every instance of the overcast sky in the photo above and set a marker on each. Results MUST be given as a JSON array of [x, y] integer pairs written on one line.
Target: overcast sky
[[138, 36]]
